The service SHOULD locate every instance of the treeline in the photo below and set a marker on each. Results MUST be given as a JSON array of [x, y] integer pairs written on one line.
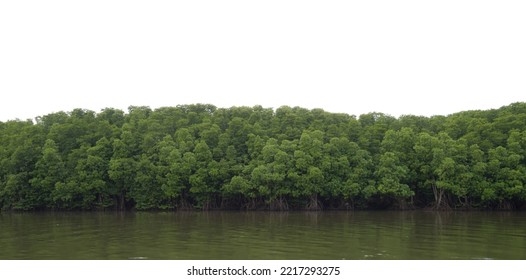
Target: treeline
[[203, 157]]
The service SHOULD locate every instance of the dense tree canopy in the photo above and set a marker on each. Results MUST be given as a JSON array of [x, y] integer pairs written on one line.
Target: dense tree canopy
[[203, 157]]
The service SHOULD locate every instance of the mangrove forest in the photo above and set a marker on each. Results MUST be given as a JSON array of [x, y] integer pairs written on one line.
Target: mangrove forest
[[203, 157]]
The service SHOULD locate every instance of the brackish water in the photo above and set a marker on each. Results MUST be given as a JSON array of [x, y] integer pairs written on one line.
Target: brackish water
[[263, 235]]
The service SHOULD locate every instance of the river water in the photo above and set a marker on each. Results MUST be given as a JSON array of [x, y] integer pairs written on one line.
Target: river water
[[263, 235]]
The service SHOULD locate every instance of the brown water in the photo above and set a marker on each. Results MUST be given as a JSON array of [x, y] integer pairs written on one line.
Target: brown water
[[264, 235]]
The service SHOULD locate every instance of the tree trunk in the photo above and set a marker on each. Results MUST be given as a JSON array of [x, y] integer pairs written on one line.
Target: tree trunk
[[314, 204], [440, 203], [121, 198]]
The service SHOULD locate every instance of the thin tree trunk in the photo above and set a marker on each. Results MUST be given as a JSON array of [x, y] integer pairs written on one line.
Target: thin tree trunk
[[439, 198]]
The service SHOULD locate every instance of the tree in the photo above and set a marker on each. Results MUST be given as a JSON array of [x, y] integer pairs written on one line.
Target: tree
[[49, 170], [270, 176], [390, 175]]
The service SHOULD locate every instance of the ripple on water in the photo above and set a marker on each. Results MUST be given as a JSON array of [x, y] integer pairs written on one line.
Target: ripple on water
[[138, 258], [261, 235]]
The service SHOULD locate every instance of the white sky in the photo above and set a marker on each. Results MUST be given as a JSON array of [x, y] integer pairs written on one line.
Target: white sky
[[396, 57]]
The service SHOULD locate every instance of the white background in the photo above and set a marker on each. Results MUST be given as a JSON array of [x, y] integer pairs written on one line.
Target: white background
[[360, 270], [396, 57]]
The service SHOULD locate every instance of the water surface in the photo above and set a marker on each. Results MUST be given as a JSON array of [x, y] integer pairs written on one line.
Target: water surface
[[263, 235]]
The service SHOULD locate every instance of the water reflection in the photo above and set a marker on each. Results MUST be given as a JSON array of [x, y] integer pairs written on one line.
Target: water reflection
[[264, 235]]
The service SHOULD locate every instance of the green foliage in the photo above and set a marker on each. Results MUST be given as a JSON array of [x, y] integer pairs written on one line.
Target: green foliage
[[391, 175], [203, 157]]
